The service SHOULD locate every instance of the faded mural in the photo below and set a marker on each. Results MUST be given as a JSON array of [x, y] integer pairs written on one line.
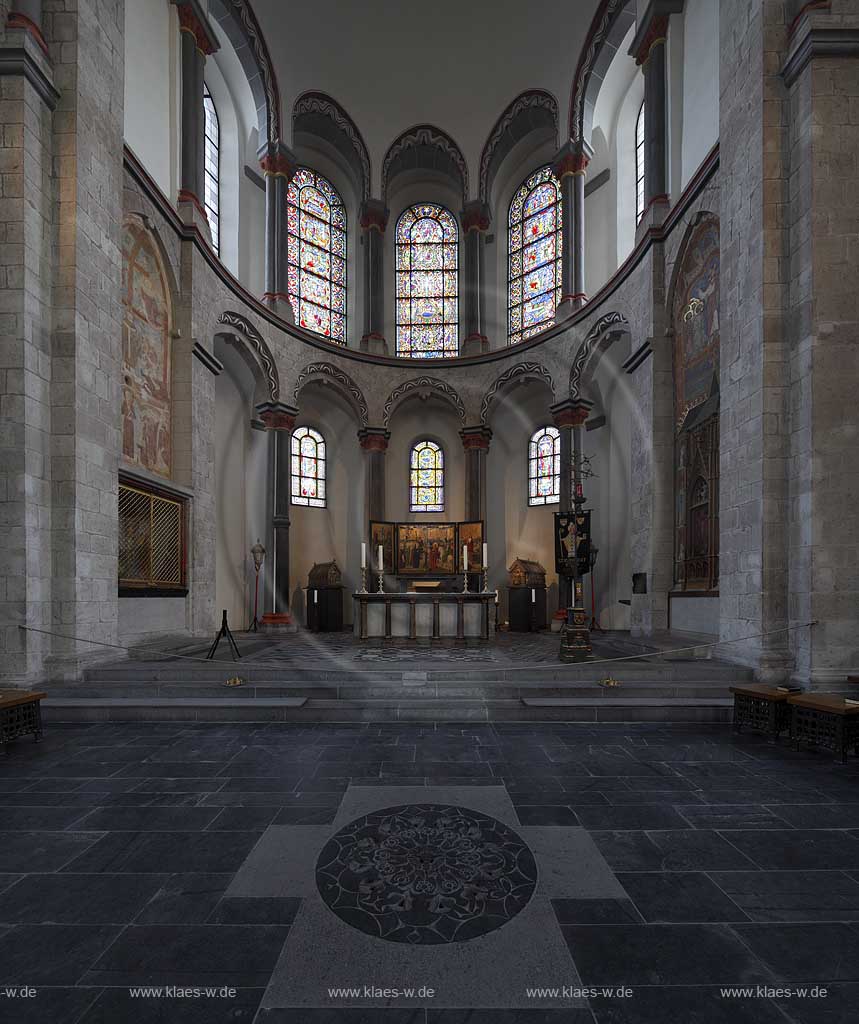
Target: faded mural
[[146, 358]]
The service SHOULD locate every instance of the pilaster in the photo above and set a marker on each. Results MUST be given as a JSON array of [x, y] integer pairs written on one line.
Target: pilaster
[[476, 218], [374, 443], [279, 417], [373, 221], [475, 443]]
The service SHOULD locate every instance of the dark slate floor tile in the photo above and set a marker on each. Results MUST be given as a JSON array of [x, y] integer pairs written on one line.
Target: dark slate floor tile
[[673, 850], [728, 816], [792, 895], [166, 852], [596, 911], [680, 954], [50, 1006], [116, 1006], [78, 899], [51, 954], [685, 1005], [7, 880], [189, 785], [794, 848], [240, 799], [43, 851], [41, 819], [813, 815], [838, 1007], [805, 952], [242, 819], [238, 956], [496, 1016], [546, 814], [255, 910], [624, 767], [643, 816], [664, 797], [679, 896], [149, 770], [188, 898], [261, 785], [370, 1015], [305, 815], [149, 819]]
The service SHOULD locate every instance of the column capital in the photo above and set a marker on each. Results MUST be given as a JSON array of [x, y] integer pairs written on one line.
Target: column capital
[[374, 439], [475, 216], [475, 438], [194, 20], [570, 412], [373, 215], [277, 415], [652, 28], [277, 160], [572, 158]]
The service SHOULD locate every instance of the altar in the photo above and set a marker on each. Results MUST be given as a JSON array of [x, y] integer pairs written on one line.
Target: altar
[[412, 615]]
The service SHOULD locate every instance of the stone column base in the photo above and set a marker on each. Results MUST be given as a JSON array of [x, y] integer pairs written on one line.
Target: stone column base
[[373, 343], [474, 345]]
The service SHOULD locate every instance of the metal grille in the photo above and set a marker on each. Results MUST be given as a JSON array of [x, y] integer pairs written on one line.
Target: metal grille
[[20, 720], [150, 539]]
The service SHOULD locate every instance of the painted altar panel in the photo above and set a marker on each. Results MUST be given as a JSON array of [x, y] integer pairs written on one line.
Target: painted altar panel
[[147, 435]]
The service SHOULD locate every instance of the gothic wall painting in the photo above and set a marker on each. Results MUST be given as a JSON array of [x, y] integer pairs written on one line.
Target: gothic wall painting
[[147, 435], [695, 318]]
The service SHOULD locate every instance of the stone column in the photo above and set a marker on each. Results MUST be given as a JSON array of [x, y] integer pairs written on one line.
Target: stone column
[[278, 166], [197, 41], [570, 168], [373, 220], [569, 416], [374, 441], [280, 418], [648, 49], [475, 217], [475, 442]]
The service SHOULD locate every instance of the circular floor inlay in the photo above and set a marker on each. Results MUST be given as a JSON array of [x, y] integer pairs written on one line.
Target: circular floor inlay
[[426, 873]]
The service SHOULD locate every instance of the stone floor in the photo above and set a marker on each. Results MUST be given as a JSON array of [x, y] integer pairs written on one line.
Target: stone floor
[[479, 861]]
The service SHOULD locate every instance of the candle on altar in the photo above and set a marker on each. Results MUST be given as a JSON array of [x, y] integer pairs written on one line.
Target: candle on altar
[[363, 555], [465, 558], [381, 560], [533, 596], [485, 556]]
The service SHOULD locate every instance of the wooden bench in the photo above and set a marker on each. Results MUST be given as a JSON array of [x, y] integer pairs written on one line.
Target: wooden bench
[[20, 715], [761, 707], [824, 720]]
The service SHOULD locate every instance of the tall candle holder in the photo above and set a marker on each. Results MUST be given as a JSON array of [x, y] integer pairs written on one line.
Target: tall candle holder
[[485, 580], [381, 583], [363, 589], [465, 589]]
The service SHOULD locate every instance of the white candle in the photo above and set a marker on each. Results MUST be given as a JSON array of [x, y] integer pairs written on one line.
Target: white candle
[[485, 556], [315, 596], [533, 596], [363, 555], [465, 558], [381, 560]]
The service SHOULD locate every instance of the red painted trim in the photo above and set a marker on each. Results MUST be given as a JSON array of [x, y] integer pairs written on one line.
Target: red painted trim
[[276, 619], [187, 196], [18, 20], [275, 297]]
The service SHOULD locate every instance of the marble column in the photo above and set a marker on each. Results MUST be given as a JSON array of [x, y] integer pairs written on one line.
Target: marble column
[[281, 419], [648, 49], [475, 218], [570, 167], [569, 416], [373, 220], [197, 41], [475, 442], [374, 442], [278, 165]]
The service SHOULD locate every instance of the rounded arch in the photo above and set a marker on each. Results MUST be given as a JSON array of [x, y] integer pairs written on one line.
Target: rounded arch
[[609, 25], [603, 333], [261, 360], [425, 147], [521, 373], [326, 373], [534, 112], [422, 387], [316, 115]]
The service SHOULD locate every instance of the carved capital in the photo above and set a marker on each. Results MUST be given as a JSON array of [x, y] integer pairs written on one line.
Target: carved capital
[[570, 412], [652, 28], [374, 439], [373, 216], [475, 216], [277, 415], [572, 158], [476, 438], [277, 160], [194, 20]]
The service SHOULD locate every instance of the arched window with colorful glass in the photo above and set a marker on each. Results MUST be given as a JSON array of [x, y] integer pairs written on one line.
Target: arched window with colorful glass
[[316, 229], [534, 256], [639, 164], [426, 477], [544, 466], [308, 467], [212, 168], [427, 242]]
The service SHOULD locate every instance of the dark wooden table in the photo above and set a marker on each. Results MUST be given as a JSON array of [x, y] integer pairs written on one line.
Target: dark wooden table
[[20, 715], [761, 707], [824, 720]]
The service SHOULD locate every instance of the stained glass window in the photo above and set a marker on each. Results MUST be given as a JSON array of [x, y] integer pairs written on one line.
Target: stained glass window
[[639, 165], [544, 466], [308, 468], [427, 283], [426, 466], [316, 230], [534, 256], [212, 168]]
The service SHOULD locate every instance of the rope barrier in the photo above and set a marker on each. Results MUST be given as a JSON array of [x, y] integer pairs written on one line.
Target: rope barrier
[[146, 648]]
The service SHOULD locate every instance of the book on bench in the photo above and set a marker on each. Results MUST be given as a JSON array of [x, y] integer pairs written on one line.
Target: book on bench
[[789, 689]]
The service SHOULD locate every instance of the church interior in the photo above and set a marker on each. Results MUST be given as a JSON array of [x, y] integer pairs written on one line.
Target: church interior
[[429, 578]]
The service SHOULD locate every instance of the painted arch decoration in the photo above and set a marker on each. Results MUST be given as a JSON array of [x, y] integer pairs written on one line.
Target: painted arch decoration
[[258, 347], [523, 371], [330, 373], [423, 387], [606, 328]]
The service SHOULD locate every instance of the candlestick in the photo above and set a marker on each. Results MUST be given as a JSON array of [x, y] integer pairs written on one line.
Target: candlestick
[[381, 559], [363, 589], [465, 568], [363, 555]]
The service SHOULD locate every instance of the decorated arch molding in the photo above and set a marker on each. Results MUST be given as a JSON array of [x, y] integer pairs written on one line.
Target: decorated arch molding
[[423, 137], [526, 112], [259, 349], [610, 24], [519, 372], [610, 325], [423, 387], [331, 374], [312, 106], [238, 22]]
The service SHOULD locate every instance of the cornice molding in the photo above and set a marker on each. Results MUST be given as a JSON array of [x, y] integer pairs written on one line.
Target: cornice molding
[[212, 363], [18, 61], [652, 27], [819, 42]]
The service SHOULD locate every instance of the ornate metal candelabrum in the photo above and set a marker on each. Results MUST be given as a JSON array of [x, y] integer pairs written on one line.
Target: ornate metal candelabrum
[[381, 583], [363, 589]]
